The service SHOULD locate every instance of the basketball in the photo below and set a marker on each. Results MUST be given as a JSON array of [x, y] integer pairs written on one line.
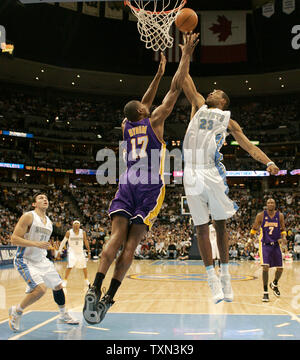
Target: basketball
[[186, 20]]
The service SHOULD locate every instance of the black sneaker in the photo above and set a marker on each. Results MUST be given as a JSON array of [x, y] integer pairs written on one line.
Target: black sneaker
[[265, 297], [104, 305], [90, 309], [275, 289]]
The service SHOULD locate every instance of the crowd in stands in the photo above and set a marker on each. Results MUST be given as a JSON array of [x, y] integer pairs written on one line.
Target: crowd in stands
[[62, 111], [78, 118]]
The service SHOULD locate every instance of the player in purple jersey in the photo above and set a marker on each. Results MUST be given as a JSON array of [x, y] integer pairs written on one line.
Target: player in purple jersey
[[141, 188], [272, 230]]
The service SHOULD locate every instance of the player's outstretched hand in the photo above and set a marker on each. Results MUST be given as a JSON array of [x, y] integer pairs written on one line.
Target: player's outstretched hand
[[273, 169], [190, 41]]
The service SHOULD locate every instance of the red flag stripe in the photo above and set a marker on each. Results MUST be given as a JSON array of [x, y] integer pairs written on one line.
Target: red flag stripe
[[223, 54]]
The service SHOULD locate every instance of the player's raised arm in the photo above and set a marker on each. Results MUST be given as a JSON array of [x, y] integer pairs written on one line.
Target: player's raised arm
[[196, 99], [255, 152], [164, 110], [152, 89]]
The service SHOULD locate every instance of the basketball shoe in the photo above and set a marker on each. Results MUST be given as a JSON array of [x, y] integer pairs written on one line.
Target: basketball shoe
[[104, 305], [66, 318], [216, 289], [275, 289], [226, 287], [14, 319], [90, 309], [265, 297]]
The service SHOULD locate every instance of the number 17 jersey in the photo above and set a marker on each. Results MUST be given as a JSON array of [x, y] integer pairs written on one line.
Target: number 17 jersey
[[141, 187]]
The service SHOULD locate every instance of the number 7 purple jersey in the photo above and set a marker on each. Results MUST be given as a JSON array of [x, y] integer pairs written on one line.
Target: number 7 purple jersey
[[141, 188], [269, 248], [270, 228]]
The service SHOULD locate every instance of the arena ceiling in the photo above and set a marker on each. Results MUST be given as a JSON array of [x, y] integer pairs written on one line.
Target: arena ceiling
[[49, 76]]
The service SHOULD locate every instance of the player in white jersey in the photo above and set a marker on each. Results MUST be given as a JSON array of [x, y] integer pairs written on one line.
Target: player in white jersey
[[76, 257], [31, 235], [213, 242], [205, 177]]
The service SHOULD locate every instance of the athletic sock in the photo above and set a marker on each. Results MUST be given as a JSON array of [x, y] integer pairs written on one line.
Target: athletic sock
[[113, 287], [265, 277], [62, 310], [275, 282], [210, 271], [225, 269], [98, 281]]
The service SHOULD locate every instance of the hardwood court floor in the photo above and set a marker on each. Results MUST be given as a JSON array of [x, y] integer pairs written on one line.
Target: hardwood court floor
[[163, 299]]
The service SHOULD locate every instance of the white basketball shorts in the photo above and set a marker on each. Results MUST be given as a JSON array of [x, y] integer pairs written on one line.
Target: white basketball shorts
[[206, 191], [35, 273], [76, 259]]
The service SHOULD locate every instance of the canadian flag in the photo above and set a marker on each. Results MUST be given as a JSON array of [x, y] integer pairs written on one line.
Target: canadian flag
[[223, 36]]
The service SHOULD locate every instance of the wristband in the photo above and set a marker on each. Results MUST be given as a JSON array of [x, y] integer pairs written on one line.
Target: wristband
[[253, 232], [270, 163]]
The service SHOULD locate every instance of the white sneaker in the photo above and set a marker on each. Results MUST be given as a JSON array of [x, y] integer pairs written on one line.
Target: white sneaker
[[66, 318], [226, 286], [28, 290], [216, 289], [64, 283], [86, 282], [14, 319]]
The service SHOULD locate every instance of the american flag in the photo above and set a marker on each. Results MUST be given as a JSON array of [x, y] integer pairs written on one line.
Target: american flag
[[173, 54]]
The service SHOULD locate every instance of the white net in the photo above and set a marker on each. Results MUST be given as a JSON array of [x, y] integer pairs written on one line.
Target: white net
[[154, 21]]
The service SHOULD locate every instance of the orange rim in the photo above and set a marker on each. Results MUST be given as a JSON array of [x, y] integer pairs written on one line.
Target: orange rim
[[128, 3]]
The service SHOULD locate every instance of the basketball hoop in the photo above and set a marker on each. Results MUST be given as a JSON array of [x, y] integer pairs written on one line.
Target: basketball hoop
[[155, 18]]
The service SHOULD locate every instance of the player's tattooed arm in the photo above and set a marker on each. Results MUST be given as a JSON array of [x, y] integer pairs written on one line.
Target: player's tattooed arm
[[255, 152]]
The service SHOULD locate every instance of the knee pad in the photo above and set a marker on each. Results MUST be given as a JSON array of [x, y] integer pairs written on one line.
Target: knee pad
[[59, 297]]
